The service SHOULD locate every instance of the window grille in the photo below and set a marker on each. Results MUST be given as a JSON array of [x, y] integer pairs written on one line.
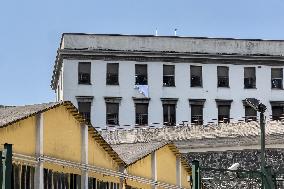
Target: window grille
[[85, 110], [249, 77], [168, 75], [141, 114], [84, 73], [197, 114], [223, 76], [141, 77], [276, 78], [224, 113], [112, 113], [169, 112], [112, 77], [196, 76]]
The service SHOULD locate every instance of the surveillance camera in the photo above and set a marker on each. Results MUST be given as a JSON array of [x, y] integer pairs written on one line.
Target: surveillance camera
[[234, 167]]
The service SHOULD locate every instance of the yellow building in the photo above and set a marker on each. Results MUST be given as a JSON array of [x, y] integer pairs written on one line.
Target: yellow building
[[53, 147], [160, 162]]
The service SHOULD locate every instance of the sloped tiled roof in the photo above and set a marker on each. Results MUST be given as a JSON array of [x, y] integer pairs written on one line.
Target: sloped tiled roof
[[13, 114], [130, 153]]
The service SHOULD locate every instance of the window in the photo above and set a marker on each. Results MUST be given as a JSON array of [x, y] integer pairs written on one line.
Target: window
[[223, 76], [85, 110], [84, 73], [141, 77], [168, 75], [224, 113], [196, 76], [277, 112], [169, 111], [141, 111], [84, 106], [224, 107], [276, 78], [112, 116], [250, 114], [197, 114], [249, 78], [197, 110], [112, 74]]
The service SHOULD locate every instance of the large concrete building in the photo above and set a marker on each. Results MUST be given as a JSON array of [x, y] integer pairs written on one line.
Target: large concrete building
[[141, 80]]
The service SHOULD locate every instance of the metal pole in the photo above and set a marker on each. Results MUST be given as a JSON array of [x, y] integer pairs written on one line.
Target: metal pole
[[262, 140], [1, 169], [195, 175], [8, 165]]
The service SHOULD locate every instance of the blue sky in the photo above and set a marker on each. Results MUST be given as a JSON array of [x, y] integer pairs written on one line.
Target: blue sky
[[30, 31]]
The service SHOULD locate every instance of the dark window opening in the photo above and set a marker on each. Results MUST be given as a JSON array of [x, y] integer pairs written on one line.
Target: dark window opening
[[196, 76], [141, 77], [85, 109], [224, 113], [112, 74], [250, 114], [169, 112], [84, 73], [249, 78], [112, 113], [168, 75], [277, 113], [276, 78], [197, 114], [141, 111], [223, 76]]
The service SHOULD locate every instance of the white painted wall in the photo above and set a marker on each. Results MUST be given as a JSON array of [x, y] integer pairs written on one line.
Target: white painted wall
[[182, 91]]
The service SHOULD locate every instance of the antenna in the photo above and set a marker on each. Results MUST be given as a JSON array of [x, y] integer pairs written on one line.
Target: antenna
[[156, 32], [176, 31]]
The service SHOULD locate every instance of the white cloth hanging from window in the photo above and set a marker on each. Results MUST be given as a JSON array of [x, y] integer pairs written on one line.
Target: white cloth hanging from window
[[143, 89]]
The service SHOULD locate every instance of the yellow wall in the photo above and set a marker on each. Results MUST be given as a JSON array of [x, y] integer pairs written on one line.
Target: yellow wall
[[22, 135], [184, 175], [166, 165], [99, 157], [62, 135], [141, 168]]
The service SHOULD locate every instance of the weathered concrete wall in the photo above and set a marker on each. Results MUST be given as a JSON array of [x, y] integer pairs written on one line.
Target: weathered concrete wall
[[248, 160], [174, 44]]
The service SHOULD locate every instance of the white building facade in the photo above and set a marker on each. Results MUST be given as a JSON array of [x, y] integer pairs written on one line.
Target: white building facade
[[148, 80]]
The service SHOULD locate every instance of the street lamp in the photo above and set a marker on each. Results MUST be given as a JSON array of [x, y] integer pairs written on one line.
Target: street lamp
[[266, 172]]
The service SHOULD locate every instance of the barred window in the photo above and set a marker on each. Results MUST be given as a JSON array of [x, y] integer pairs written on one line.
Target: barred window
[[85, 110], [249, 78], [224, 113], [168, 75], [196, 76], [84, 73], [276, 78], [197, 114], [141, 77], [223, 76], [112, 74], [141, 111], [112, 113]]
